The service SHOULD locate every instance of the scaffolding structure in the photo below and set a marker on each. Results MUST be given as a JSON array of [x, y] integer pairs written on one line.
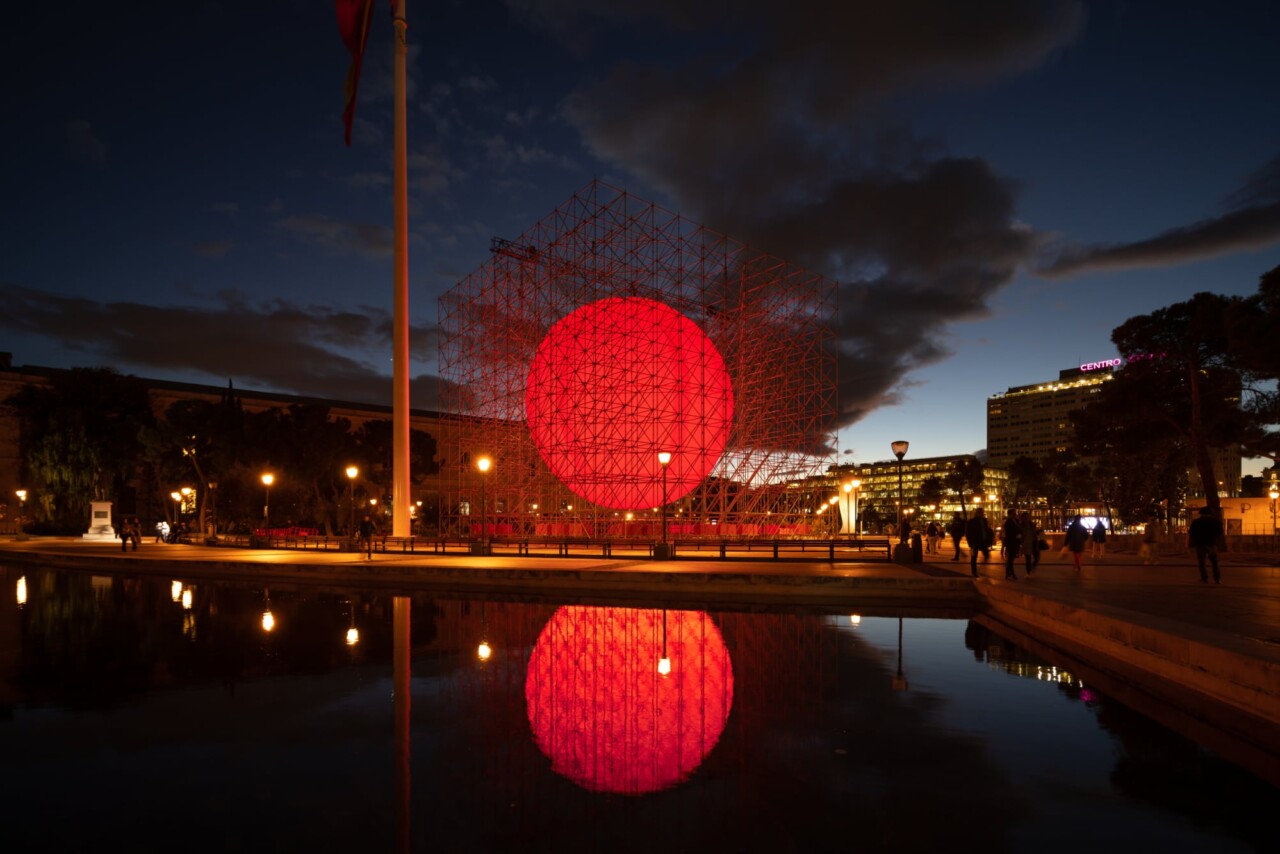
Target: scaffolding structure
[[612, 330]]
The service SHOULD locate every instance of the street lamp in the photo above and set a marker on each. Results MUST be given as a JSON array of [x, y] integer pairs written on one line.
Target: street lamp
[[22, 506], [267, 480], [848, 491], [856, 484], [483, 464], [900, 451], [1275, 494], [213, 509], [664, 459], [352, 474]]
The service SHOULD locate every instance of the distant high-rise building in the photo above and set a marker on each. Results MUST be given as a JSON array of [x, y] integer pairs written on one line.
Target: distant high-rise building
[[1034, 420]]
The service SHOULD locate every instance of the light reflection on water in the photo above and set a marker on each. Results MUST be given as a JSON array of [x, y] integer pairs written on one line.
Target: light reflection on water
[[148, 711]]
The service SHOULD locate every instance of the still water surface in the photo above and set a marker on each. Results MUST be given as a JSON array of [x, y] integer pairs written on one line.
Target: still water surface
[[160, 716]]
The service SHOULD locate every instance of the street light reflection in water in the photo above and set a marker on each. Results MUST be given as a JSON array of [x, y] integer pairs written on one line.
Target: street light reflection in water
[[774, 729]]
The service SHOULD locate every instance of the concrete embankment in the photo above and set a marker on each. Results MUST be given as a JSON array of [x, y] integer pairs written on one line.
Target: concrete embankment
[[1221, 689]]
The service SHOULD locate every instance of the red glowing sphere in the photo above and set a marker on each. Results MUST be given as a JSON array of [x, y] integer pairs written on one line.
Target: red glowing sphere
[[615, 383], [603, 713]]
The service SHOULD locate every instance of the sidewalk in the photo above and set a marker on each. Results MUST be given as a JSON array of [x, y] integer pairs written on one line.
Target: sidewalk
[[1246, 605]]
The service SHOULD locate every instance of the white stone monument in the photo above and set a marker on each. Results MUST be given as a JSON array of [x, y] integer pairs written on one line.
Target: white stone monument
[[100, 522]]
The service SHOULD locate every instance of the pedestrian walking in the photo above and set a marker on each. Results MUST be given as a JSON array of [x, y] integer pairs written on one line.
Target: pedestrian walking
[[1076, 540], [1098, 540], [956, 530], [1206, 536], [366, 536], [978, 534], [124, 534], [162, 531], [135, 531], [1011, 539], [1150, 542], [1030, 542], [934, 534]]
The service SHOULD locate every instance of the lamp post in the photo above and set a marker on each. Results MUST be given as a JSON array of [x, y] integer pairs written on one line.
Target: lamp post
[[848, 491], [1274, 494], [857, 527], [352, 474], [267, 480], [483, 464], [664, 459], [900, 451], [213, 509], [177, 512], [22, 508]]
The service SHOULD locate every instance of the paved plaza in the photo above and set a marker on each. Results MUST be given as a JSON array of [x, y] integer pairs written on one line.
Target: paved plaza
[[1242, 611]]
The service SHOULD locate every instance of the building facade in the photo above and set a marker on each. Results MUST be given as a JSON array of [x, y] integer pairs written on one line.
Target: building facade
[[456, 485], [878, 488], [1035, 420]]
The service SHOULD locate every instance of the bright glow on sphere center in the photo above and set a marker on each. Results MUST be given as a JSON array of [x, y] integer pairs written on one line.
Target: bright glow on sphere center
[[618, 381]]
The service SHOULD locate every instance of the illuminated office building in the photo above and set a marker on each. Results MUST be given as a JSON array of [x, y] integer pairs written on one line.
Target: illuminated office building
[[1035, 420]]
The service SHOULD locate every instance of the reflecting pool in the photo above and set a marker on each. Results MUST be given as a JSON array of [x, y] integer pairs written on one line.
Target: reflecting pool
[[162, 715]]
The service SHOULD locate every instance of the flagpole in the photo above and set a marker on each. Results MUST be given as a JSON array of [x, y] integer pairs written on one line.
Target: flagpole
[[400, 492]]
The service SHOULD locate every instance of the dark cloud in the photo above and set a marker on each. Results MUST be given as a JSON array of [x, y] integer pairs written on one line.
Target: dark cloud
[[278, 346], [780, 136], [213, 248], [1251, 221], [364, 238]]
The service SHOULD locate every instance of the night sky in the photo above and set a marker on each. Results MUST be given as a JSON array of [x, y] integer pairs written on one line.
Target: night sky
[[995, 184]]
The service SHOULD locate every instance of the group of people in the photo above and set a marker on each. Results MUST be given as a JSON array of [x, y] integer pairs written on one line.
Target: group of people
[[166, 533], [130, 531], [1020, 536]]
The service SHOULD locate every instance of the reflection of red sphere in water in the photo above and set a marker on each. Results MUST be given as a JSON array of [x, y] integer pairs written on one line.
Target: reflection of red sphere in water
[[604, 716], [614, 383]]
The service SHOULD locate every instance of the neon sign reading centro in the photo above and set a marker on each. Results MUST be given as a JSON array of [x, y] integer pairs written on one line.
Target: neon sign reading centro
[[1105, 363]]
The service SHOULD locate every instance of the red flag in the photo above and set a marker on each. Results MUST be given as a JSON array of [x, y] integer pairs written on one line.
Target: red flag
[[353, 22]]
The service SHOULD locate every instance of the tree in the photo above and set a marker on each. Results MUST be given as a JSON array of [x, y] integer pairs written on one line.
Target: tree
[[931, 491], [1139, 466], [321, 449], [1028, 478], [1255, 346], [78, 440], [1181, 375], [965, 478], [373, 442]]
